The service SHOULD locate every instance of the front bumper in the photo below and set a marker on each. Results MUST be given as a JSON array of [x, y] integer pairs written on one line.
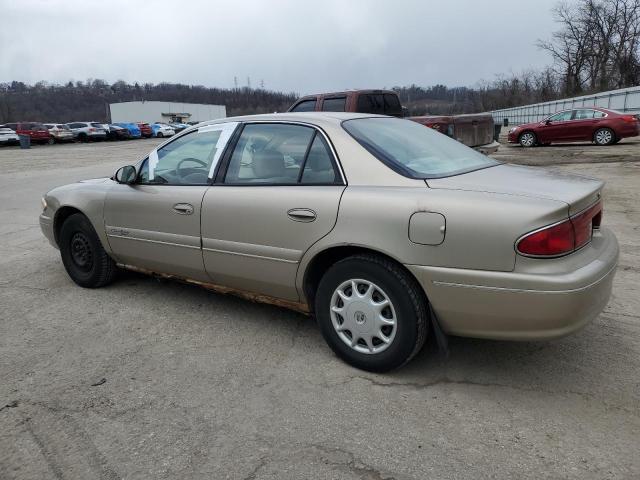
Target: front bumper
[[46, 225], [541, 299]]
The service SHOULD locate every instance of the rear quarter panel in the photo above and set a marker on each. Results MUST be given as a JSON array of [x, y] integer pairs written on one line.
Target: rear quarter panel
[[481, 227]]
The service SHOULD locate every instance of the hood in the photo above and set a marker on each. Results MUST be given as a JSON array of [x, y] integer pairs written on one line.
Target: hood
[[577, 191], [95, 180], [526, 125]]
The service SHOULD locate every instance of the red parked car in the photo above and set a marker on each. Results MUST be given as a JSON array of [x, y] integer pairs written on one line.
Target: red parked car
[[591, 124], [36, 130], [145, 129]]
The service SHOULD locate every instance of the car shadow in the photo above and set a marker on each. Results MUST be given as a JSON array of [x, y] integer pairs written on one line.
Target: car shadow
[[572, 365]]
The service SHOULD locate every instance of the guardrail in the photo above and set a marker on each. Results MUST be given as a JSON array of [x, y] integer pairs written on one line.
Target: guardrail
[[623, 100]]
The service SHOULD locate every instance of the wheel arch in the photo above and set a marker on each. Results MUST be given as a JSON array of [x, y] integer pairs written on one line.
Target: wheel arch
[[324, 259], [533, 132], [62, 213]]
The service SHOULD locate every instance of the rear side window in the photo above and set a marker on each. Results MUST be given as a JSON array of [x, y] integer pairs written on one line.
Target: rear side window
[[280, 154], [334, 104], [392, 105], [305, 106], [371, 103], [598, 114], [583, 114], [318, 167]]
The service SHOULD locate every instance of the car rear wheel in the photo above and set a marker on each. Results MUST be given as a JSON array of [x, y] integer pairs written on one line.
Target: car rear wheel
[[604, 136], [160, 135], [371, 312], [86, 262], [51, 141], [528, 139]]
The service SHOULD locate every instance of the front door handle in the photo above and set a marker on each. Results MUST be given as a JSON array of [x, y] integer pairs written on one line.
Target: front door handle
[[302, 215], [183, 208]]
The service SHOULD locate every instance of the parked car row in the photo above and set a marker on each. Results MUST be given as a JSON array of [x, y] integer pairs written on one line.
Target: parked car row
[[50, 133]]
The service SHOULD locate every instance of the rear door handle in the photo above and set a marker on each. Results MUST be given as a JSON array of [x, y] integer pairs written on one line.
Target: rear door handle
[[302, 214], [183, 208]]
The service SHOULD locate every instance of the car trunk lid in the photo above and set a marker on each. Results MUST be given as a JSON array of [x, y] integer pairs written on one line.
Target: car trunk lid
[[577, 191]]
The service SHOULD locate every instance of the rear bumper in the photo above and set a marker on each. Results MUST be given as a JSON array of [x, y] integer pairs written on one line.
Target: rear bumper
[[540, 301], [489, 148]]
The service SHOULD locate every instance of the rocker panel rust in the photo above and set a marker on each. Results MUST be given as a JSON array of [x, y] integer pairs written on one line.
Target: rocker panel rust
[[244, 294]]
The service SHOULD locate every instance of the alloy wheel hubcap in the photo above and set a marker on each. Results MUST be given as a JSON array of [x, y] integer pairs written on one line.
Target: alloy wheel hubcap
[[527, 140], [363, 316], [81, 251], [603, 136]]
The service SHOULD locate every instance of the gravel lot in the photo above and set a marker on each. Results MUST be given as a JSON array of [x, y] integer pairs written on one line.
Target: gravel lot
[[150, 379]]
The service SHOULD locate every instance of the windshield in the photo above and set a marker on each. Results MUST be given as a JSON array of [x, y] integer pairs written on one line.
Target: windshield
[[415, 150]]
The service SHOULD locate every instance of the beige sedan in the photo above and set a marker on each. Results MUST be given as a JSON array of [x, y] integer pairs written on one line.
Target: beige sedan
[[381, 228]]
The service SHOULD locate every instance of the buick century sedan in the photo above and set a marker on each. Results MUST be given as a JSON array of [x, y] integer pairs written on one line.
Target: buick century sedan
[[380, 228]]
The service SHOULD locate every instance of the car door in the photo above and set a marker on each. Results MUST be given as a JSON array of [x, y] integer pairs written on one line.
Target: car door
[[154, 224], [555, 128], [277, 195], [581, 125]]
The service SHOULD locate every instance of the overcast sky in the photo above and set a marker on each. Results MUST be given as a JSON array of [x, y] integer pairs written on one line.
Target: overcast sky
[[291, 45]]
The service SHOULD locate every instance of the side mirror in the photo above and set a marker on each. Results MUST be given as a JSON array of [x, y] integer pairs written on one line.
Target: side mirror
[[126, 175], [547, 122]]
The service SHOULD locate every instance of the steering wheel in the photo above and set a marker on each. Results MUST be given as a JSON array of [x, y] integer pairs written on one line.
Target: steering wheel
[[189, 159]]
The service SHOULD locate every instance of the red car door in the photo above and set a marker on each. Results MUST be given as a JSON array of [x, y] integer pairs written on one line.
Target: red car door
[[582, 125], [554, 128]]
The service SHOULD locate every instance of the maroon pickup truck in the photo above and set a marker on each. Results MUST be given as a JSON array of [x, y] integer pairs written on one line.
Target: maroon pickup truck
[[475, 130]]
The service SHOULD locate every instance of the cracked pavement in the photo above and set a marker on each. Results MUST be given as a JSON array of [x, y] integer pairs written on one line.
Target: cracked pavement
[[202, 385]]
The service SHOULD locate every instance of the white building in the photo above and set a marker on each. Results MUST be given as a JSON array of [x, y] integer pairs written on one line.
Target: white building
[[165, 112]]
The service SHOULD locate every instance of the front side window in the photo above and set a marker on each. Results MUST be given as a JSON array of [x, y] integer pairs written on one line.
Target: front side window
[[305, 106], [413, 150], [334, 104], [561, 117], [280, 154], [188, 160]]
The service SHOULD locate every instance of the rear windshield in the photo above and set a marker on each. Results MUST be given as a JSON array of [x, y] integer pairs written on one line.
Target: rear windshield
[[414, 150]]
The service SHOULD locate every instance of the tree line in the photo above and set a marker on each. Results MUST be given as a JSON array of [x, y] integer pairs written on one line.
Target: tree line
[[596, 48], [89, 100]]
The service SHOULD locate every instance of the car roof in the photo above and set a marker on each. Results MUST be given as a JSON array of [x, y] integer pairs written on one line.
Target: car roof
[[317, 118]]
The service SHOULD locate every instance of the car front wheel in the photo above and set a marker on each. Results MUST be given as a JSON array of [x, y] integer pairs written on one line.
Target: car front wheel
[[371, 312], [528, 139], [86, 262], [604, 136]]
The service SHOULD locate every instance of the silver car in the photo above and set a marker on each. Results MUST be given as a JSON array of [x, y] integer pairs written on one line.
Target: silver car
[[382, 229]]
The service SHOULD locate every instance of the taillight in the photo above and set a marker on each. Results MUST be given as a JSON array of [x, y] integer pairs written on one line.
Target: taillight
[[92, 129], [562, 238], [629, 118]]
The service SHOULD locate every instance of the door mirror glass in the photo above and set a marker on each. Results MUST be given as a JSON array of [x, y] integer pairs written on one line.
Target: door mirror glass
[[126, 174], [547, 122]]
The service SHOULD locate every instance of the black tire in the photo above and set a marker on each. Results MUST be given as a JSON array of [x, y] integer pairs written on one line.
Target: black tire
[[407, 297], [528, 139], [86, 262], [83, 137], [604, 136], [160, 135], [51, 141]]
